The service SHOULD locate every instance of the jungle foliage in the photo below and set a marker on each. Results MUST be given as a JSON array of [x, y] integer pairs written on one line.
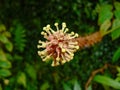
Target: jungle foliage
[[21, 22]]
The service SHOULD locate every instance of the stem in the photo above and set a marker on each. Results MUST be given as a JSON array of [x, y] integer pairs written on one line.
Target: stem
[[111, 30], [89, 40]]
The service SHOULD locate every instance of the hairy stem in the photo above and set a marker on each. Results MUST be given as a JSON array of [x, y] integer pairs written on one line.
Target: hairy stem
[[89, 40]]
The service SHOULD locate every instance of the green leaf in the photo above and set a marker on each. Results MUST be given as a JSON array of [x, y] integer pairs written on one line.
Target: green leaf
[[21, 79], [116, 55], [4, 73], [5, 64], [105, 13], [107, 81], [66, 86], [116, 33], [3, 39], [19, 36], [29, 69], [117, 14], [1, 87], [9, 56], [90, 87], [77, 86], [45, 86], [2, 55], [117, 5], [9, 46], [118, 69], [105, 26], [117, 79], [117, 10], [2, 28], [7, 34]]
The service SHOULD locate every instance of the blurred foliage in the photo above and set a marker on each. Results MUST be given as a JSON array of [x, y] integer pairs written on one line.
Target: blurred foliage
[[20, 66], [6, 48], [107, 80], [19, 35]]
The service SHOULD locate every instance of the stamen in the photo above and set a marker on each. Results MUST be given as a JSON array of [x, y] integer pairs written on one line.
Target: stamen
[[47, 57], [77, 47], [57, 59], [63, 50], [68, 56], [63, 61], [57, 63], [73, 43], [72, 33], [44, 28], [70, 53], [42, 44], [52, 30], [63, 57], [66, 30], [39, 53], [48, 26], [42, 33], [63, 26], [56, 24], [45, 34], [53, 63]]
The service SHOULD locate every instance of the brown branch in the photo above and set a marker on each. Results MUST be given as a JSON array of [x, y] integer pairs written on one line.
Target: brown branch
[[94, 73]]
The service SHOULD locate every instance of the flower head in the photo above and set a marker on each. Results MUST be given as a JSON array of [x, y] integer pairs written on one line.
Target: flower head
[[59, 44]]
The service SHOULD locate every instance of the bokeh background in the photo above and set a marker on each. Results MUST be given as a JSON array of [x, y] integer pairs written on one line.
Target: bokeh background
[[23, 20]]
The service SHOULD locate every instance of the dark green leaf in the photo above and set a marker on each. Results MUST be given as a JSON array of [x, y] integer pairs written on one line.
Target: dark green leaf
[[107, 81], [45, 86], [77, 86], [2, 55], [3, 39], [5, 64], [117, 10], [2, 28], [116, 55], [7, 34], [19, 36], [21, 79], [116, 33], [117, 14], [105, 13], [118, 69], [4, 73], [9, 46], [117, 5], [66, 87], [31, 71], [1, 87]]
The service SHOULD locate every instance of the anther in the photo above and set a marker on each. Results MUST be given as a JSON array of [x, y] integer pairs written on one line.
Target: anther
[[63, 50], [44, 28], [63, 24], [63, 61], [56, 24], [48, 26], [57, 59]]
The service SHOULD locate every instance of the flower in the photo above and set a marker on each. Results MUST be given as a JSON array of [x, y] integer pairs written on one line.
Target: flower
[[59, 44]]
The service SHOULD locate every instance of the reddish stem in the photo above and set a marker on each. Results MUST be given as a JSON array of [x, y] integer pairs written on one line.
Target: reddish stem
[[89, 40]]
